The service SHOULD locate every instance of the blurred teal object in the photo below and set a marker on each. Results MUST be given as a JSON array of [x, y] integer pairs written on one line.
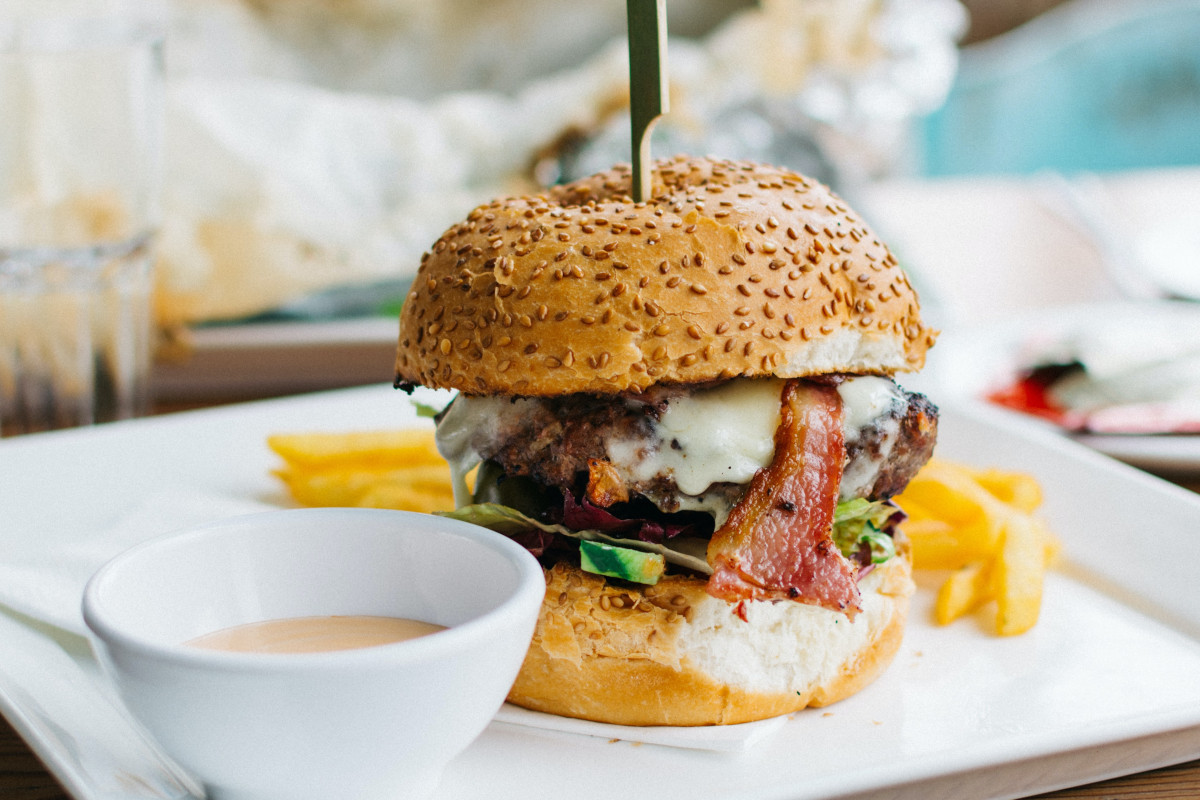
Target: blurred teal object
[[1096, 85]]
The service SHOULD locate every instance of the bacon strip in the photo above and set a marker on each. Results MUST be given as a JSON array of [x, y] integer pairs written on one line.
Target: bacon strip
[[776, 543]]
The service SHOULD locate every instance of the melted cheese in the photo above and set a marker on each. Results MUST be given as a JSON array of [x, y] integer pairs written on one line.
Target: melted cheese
[[720, 435], [454, 433], [866, 402]]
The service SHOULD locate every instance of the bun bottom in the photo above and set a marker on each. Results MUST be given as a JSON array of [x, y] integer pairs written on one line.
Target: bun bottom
[[671, 654]]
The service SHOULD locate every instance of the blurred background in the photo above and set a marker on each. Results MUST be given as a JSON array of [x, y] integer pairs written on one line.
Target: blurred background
[[315, 148]]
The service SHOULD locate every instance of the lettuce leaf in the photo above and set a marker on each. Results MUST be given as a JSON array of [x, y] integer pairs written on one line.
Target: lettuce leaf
[[860, 523], [859, 526], [683, 551]]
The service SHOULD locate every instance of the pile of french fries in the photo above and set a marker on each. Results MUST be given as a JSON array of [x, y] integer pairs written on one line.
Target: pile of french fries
[[981, 524], [369, 469]]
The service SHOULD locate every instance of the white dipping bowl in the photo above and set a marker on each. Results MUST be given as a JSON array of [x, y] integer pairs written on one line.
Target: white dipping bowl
[[379, 722]]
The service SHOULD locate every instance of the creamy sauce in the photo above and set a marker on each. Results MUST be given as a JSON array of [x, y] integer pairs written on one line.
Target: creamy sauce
[[314, 634]]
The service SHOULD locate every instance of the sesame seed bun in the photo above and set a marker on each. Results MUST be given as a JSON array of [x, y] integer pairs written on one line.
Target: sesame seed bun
[[671, 654], [732, 269]]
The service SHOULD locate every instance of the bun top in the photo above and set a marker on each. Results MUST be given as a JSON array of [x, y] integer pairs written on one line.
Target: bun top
[[732, 269]]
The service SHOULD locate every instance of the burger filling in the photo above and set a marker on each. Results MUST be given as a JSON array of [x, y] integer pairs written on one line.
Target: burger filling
[[692, 475]]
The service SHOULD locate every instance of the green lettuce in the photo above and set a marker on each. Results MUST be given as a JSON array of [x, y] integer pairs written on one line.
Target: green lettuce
[[684, 551], [859, 521], [855, 523]]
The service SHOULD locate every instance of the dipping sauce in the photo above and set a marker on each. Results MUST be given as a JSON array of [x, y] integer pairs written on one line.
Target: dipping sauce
[[314, 634]]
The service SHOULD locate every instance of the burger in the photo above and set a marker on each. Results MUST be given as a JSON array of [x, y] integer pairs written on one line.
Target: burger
[[684, 407]]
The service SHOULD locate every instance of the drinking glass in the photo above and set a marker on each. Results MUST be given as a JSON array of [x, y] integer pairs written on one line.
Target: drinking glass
[[81, 105]]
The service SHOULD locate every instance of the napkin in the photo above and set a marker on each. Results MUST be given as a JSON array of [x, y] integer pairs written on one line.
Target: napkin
[[718, 738], [47, 584]]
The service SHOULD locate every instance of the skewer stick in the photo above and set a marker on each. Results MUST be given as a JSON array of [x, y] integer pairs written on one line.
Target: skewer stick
[[648, 89]]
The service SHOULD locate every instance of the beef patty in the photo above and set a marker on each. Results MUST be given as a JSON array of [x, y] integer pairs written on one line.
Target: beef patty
[[553, 440]]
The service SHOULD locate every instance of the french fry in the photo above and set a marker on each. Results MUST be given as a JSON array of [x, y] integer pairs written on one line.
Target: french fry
[[392, 494], [950, 494], [1019, 573], [315, 450], [1051, 546], [1016, 489], [345, 485], [981, 524], [378, 469], [964, 591], [937, 544]]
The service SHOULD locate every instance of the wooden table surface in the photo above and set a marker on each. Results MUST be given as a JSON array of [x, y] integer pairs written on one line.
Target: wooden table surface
[[22, 776]]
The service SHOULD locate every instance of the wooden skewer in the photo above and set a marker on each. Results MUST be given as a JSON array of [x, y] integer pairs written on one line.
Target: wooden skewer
[[648, 87]]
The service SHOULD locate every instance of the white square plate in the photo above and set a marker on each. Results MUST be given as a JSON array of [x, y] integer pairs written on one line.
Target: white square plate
[[1106, 684]]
